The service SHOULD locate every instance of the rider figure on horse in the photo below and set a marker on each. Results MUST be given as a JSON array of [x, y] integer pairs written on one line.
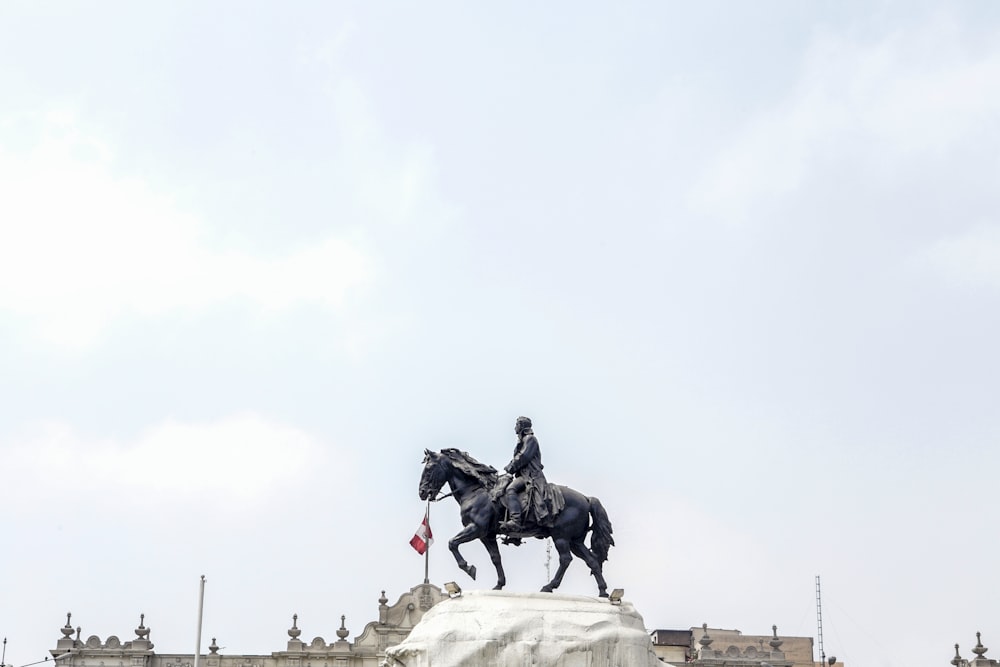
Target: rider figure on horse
[[526, 469]]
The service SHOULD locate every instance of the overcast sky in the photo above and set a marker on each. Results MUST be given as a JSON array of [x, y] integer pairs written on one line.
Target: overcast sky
[[740, 262]]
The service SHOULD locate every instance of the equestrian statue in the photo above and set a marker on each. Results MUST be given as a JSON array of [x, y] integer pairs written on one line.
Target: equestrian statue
[[519, 504]]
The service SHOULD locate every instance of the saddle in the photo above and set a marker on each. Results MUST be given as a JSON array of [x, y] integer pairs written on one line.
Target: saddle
[[529, 523]]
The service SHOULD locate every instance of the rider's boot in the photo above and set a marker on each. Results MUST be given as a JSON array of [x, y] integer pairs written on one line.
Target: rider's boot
[[514, 506]]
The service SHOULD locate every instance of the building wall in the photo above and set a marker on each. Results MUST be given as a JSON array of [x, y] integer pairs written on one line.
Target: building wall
[[367, 650], [797, 650], [675, 655], [673, 646], [729, 648]]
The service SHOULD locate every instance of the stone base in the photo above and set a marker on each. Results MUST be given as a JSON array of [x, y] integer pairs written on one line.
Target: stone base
[[493, 628]]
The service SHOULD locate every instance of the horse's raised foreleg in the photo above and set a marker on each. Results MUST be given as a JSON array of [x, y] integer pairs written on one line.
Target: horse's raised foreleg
[[467, 534], [491, 546], [594, 563], [565, 557]]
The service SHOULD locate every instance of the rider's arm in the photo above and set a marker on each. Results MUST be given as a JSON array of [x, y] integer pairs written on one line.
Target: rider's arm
[[521, 459]]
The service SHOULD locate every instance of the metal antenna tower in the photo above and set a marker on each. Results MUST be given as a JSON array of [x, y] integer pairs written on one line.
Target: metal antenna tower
[[819, 624]]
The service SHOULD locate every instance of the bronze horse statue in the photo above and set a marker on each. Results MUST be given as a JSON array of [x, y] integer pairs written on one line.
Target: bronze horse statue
[[471, 483]]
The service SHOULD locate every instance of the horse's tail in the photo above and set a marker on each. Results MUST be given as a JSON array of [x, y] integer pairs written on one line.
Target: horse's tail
[[600, 539]]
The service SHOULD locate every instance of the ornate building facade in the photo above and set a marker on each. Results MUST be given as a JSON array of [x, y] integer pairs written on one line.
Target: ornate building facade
[[979, 661], [697, 647], [715, 647], [367, 650]]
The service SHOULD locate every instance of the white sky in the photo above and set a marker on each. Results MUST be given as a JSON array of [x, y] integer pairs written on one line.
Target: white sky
[[740, 262]]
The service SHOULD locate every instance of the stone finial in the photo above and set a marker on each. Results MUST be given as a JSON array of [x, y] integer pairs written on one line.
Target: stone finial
[[979, 649], [343, 631], [213, 648], [67, 629], [142, 632], [294, 631], [705, 640], [957, 660], [775, 643], [383, 609]]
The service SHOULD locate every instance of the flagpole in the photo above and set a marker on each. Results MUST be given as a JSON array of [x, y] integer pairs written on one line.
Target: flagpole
[[201, 607], [427, 552]]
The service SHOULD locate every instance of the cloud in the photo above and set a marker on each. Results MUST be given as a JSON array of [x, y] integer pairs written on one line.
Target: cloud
[[236, 460], [970, 258], [82, 245], [391, 184], [919, 92]]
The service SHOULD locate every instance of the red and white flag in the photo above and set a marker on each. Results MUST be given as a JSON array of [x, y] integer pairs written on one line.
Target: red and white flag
[[423, 538]]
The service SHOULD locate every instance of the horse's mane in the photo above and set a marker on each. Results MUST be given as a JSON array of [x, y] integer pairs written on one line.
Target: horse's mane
[[486, 475]]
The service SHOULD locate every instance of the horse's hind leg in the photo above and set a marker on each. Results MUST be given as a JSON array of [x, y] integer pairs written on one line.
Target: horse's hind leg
[[565, 557], [491, 546], [467, 534], [594, 563]]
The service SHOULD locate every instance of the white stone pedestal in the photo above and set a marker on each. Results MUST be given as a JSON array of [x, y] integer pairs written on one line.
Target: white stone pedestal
[[497, 629]]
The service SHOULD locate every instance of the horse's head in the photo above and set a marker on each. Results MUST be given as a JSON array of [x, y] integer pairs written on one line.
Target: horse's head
[[434, 476]]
